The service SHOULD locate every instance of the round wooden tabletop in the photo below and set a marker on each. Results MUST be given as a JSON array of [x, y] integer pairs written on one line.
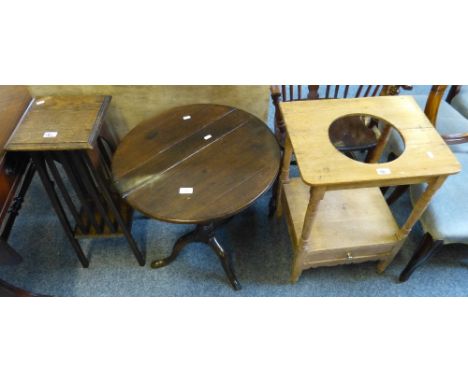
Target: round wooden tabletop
[[196, 163]]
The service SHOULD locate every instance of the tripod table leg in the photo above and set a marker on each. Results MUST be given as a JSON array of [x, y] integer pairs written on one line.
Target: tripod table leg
[[203, 233]]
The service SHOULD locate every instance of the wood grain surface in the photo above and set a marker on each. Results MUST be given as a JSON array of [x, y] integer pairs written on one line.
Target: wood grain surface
[[336, 214], [60, 123], [345, 218], [227, 156], [320, 163]]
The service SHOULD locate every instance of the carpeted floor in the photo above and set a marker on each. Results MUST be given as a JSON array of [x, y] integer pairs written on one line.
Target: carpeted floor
[[262, 263]]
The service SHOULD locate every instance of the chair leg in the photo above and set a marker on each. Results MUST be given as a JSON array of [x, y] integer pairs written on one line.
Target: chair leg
[[427, 248], [399, 190], [274, 195], [396, 194]]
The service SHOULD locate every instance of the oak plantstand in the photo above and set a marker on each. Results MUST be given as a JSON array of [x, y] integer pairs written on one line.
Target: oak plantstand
[[72, 131], [335, 211]]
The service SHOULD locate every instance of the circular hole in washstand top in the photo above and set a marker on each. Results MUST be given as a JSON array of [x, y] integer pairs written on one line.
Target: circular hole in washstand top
[[366, 138]]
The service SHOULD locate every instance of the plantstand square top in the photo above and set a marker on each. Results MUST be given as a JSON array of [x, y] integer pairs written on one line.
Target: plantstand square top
[[59, 123], [307, 122]]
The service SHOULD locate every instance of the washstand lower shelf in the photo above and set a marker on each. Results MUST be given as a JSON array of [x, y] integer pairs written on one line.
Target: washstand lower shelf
[[351, 226]]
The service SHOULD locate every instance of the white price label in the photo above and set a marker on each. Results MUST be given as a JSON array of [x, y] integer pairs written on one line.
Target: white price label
[[50, 134], [186, 190], [383, 171], [186, 117]]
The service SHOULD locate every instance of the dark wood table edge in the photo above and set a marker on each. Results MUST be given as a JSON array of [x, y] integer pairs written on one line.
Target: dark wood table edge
[[9, 290], [227, 215]]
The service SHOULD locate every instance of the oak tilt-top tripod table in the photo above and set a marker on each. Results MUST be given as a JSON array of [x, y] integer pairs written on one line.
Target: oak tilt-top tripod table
[[196, 164]]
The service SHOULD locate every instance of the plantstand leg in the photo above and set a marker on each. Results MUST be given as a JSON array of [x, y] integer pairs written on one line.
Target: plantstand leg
[[49, 187]]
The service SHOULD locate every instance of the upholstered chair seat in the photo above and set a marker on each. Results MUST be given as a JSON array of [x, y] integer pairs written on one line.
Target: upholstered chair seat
[[446, 216], [460, 101]]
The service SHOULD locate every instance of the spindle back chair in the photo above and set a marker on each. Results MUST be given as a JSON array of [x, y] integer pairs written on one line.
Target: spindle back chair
[[296, 92], [444, 221], [354, 137], [432, 108]]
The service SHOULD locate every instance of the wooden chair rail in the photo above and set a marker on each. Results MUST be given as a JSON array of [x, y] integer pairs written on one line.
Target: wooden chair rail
[[432, 108], [433, 102], [455, 139]]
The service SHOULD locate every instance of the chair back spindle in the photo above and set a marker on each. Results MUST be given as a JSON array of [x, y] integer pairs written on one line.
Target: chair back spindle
[[295, 92], [433, 102]]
